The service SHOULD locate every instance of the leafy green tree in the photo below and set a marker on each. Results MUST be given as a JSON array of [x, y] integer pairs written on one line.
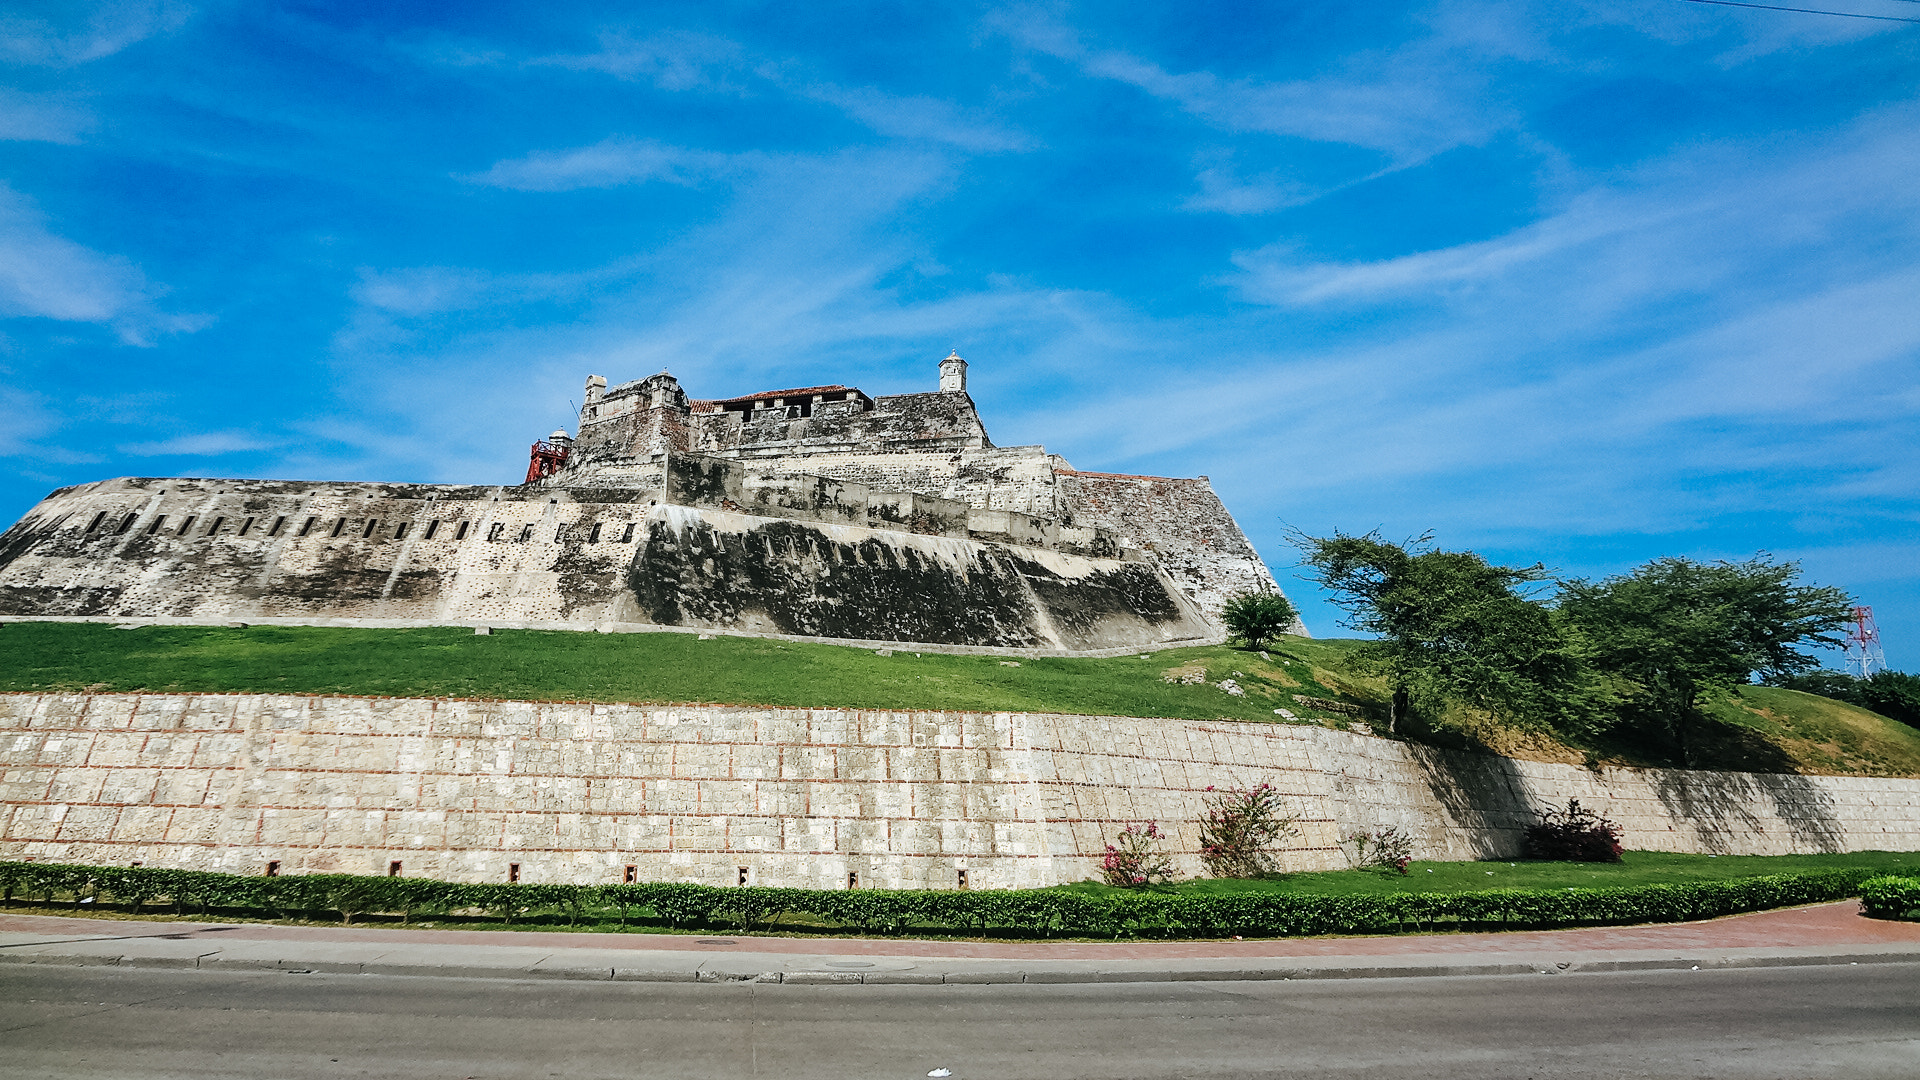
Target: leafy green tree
[[1449, 624], [1674, 629], [1253, 617], [1892, 694]]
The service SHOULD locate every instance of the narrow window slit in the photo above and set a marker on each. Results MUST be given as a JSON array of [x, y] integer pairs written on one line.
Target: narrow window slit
[[277, 523], [433, 527], [97, 519], [513, 871], [400, 531], [246, 526], [308, 527], [157, 522], [186, 524], [461, 532], [372, 524], [215, 527], [338, 525], [273, 868]]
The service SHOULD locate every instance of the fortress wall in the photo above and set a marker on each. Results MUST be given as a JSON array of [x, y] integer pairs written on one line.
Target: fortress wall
[[240, 548], [711, 568], [576, 792], [1016, 478], [898, 423], [244, 550], [1182, 523]]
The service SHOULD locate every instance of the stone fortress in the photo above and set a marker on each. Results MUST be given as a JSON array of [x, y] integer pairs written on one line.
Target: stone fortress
[[817, 513]]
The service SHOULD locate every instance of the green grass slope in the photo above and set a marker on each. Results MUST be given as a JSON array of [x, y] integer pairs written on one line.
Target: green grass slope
[[1756, 728], [663, 667]]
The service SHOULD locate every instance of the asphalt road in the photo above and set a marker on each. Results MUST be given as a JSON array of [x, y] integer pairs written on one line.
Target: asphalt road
[[1828, 1022]]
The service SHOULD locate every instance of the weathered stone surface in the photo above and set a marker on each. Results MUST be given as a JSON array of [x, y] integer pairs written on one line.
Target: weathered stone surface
[[957, 542], [578, 792]]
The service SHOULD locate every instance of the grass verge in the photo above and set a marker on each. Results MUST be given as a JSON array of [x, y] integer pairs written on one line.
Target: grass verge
[[1659, 889]]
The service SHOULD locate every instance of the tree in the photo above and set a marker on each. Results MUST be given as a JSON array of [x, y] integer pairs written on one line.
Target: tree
[[1451, 624], [1674, 629], [1253, 617], [1892, 694]]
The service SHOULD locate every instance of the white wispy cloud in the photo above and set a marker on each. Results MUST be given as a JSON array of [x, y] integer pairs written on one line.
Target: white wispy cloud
[[1410, 101], [78, 32], [1222, 189], [48, 276], [671, 60], [691, 61], [201, 444], [26, 117], [1662, 229], [918, 117], [28, 419], [609, 163]]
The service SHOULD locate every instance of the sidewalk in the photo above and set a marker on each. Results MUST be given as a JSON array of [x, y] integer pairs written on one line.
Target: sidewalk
[[1824, 934]]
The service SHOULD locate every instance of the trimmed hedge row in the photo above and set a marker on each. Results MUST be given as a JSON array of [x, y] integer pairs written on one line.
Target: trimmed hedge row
[[1028, 911], [1891, 898]]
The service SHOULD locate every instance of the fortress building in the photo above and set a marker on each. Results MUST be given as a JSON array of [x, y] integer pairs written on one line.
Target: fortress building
[[817, 512]]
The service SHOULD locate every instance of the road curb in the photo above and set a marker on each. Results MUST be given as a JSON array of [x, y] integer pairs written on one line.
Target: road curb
[[972, 977]]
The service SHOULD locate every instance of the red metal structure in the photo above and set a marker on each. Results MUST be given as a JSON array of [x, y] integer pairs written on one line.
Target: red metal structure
[[1864, 653], [545, 460]]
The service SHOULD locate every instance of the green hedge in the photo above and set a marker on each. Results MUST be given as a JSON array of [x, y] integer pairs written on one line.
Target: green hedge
[[1891, 898], [1030, 911]]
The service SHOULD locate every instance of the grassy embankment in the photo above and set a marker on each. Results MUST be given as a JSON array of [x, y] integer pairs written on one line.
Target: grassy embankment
[[1756, 728]]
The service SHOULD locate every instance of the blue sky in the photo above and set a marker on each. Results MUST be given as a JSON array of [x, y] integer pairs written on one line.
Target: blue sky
[[1587, 283]]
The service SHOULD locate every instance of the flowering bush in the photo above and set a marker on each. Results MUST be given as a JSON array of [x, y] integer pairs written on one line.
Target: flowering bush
[[1241, 826], [1135, 858], [1575, 834], [1385, 848]]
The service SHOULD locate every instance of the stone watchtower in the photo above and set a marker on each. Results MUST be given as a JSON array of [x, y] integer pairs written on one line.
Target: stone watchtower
[[953, 374]]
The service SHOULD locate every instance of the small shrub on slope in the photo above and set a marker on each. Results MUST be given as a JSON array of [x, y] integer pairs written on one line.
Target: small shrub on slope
[[1575, 834], [1253, 617], [1135, 859], [1382, 849], [1240, 829]]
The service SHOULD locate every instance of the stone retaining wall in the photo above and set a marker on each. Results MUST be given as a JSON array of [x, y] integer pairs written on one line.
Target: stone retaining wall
[[578, 792]]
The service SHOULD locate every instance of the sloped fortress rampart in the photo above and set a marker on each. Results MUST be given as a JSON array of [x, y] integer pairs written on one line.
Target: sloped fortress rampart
[[817, 512]]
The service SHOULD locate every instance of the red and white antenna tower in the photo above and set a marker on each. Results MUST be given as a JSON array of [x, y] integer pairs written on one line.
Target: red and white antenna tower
[[1864, 654]]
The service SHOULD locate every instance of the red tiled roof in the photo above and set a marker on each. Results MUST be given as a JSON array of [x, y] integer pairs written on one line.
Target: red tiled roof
[[1132, 476], [804, 391]]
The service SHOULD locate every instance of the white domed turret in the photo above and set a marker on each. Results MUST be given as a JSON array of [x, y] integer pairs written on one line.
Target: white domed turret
[[953, 374]]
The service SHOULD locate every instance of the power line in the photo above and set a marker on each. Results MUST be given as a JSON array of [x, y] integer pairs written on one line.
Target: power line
[[1808, 11]]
